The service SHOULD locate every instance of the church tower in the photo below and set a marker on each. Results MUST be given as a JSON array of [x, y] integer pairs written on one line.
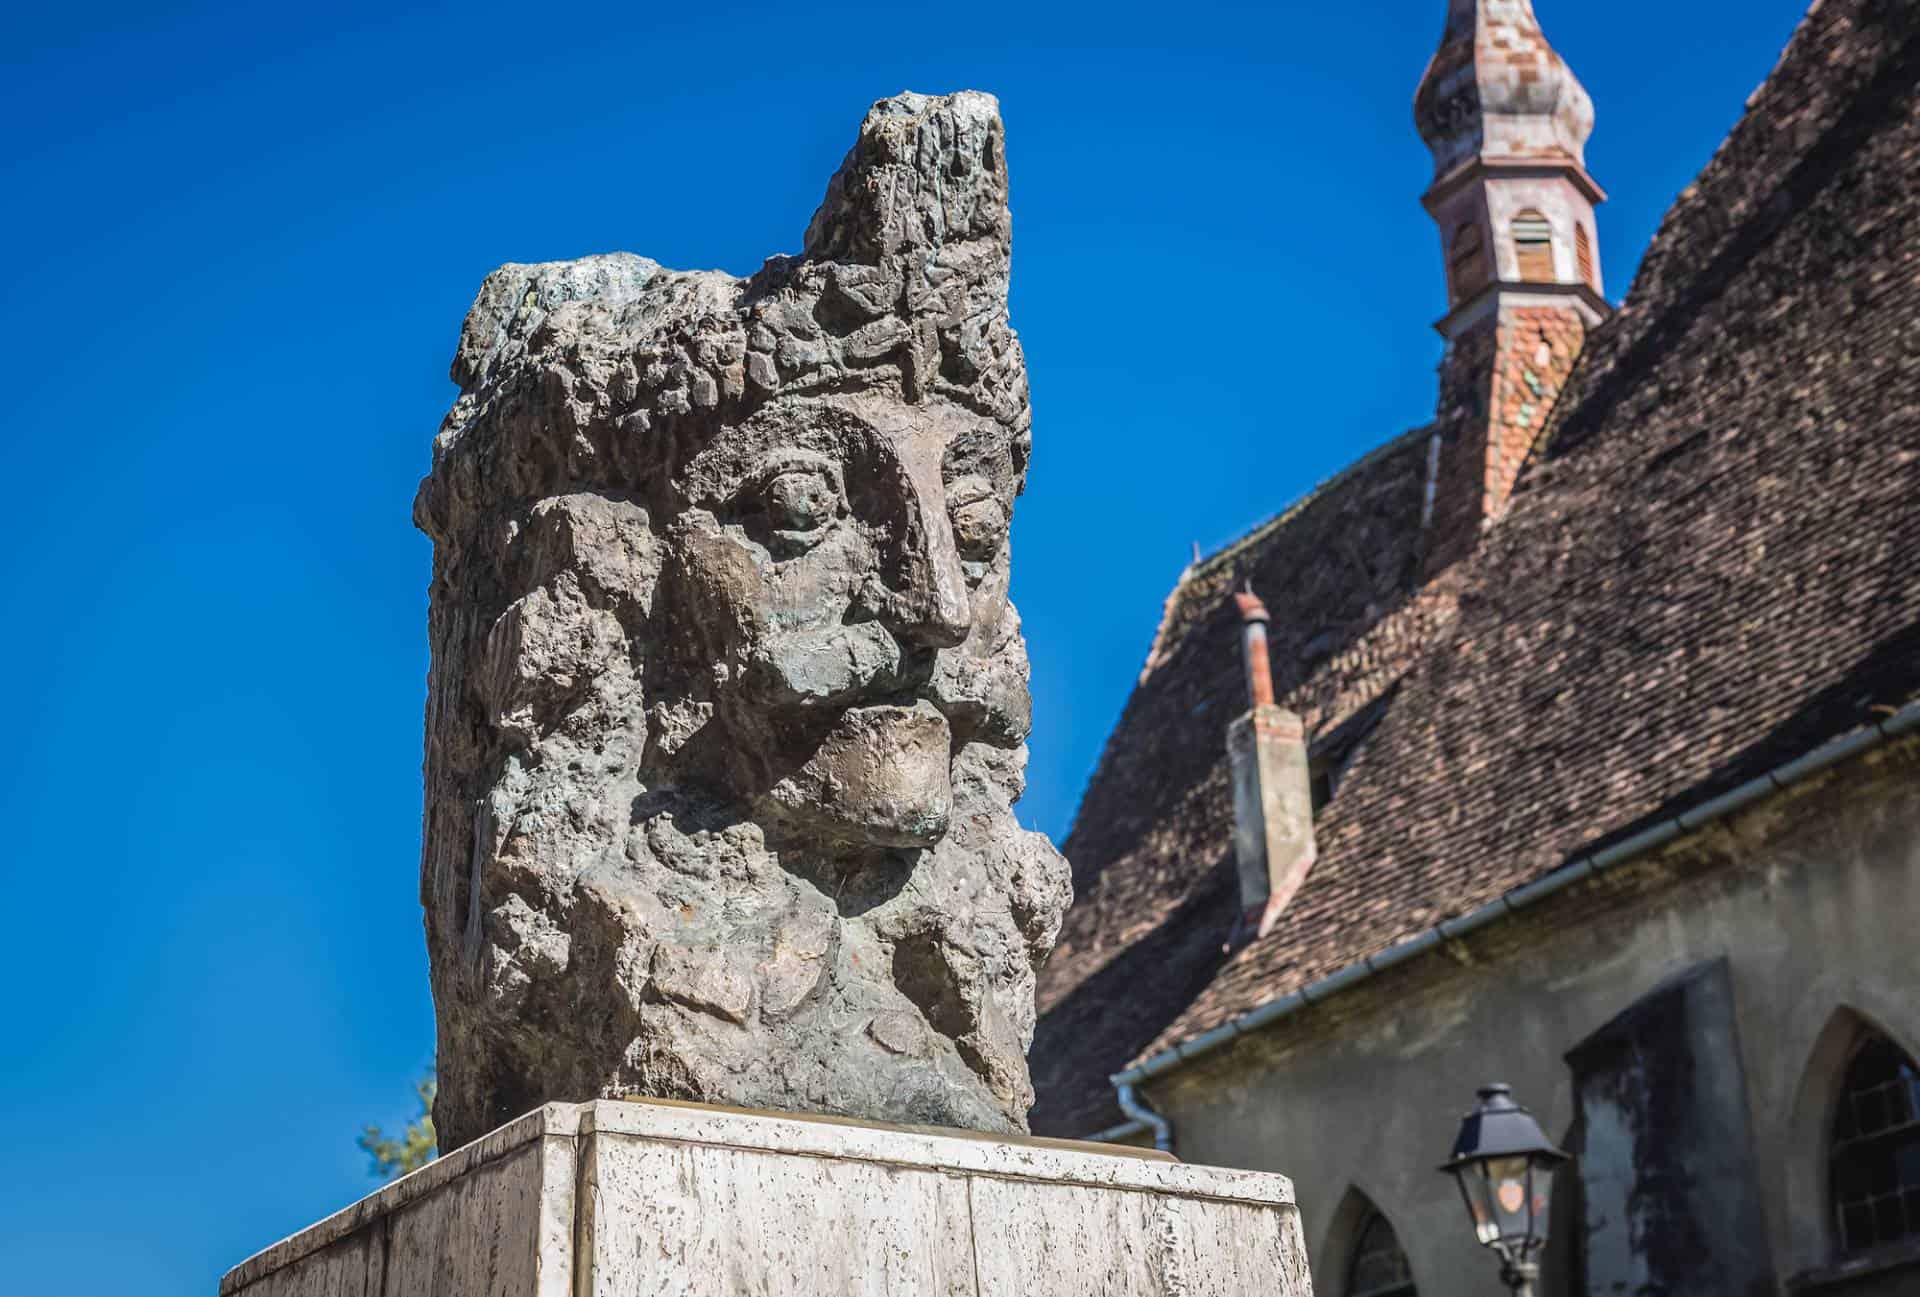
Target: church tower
[[1507, 123]]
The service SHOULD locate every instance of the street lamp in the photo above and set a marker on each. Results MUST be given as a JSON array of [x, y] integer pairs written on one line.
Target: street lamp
[[1505, 1168]]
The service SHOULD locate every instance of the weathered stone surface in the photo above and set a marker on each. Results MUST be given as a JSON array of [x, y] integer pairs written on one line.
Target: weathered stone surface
[[728, 703], [612, 1199]]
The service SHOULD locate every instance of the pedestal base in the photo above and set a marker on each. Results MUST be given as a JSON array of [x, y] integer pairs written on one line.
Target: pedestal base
[[651, 1197]]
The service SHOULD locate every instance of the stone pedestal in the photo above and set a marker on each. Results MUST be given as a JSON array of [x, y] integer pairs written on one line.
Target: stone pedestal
[[650, 1197]]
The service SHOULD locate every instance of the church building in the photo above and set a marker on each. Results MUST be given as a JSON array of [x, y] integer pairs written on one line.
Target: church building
[[1570, 741]]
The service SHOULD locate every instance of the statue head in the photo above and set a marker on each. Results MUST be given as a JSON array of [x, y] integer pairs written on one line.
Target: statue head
[[728, 701]]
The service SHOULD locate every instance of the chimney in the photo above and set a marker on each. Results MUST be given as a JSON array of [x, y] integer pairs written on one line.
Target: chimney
[[1272, 792]]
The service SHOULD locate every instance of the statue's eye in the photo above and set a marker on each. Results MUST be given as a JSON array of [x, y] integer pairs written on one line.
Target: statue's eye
[[979, 521], [803, 499]]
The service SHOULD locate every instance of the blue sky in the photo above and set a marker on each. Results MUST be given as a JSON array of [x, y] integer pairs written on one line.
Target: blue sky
[[243, 240]]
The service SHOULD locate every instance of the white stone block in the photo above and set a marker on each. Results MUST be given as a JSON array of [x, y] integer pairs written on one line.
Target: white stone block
[[649, 1198]]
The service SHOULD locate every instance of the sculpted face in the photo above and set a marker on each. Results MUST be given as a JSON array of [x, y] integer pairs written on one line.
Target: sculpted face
[[840, 578], [728, 704]]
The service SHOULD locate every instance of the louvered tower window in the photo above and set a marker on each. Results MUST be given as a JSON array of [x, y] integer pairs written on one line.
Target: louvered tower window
[[1874, 1174], [1533, 247], [1583, 253], [1467, 263], [1379, 1267]]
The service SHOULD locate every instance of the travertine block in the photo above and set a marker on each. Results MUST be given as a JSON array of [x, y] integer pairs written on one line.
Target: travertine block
[[650, 1197]]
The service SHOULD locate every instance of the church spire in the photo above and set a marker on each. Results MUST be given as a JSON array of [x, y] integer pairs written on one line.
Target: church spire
[[1497, 91], [1507, 123]]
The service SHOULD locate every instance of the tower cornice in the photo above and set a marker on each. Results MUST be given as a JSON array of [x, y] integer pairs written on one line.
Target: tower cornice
[[1589, 305], [1541, 168]]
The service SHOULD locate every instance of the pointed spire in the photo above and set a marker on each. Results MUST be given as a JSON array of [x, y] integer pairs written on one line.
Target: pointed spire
[[1497, 91]]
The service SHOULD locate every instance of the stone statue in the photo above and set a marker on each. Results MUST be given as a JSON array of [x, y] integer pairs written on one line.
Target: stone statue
[[727, 707]]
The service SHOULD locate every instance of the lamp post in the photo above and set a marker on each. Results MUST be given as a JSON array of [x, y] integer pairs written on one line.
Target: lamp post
[[1505, 1166]]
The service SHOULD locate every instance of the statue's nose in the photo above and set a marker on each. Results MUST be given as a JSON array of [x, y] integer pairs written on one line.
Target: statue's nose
[[924, 598], [935, 611]]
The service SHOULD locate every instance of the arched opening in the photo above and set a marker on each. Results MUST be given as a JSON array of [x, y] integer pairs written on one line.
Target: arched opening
[[1378, 1266], [1533, 247], [1583, 255], [1873, 1153], [1467, 271]]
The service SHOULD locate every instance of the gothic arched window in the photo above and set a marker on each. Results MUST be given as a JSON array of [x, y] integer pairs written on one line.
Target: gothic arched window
[[1533, 247], [1874, 1172], [1379, 1268], [1467, 263]]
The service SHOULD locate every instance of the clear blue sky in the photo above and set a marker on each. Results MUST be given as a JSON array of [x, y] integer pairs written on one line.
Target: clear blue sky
[[243, 240]]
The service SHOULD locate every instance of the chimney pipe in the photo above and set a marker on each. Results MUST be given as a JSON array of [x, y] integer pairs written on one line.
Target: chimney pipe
[[1259, 671], [1272, 791]]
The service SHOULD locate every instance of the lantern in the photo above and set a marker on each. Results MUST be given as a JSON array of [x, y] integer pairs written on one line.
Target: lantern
[[1505, 1167]]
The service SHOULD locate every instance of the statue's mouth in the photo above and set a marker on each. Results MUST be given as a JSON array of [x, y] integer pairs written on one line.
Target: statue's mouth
[[880, 720], [880, 777]]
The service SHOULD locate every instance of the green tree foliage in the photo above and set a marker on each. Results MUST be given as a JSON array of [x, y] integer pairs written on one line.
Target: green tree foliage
[[413, 1149]]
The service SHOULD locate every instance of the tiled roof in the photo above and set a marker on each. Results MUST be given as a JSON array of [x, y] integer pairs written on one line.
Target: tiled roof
[[1712, 563]]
